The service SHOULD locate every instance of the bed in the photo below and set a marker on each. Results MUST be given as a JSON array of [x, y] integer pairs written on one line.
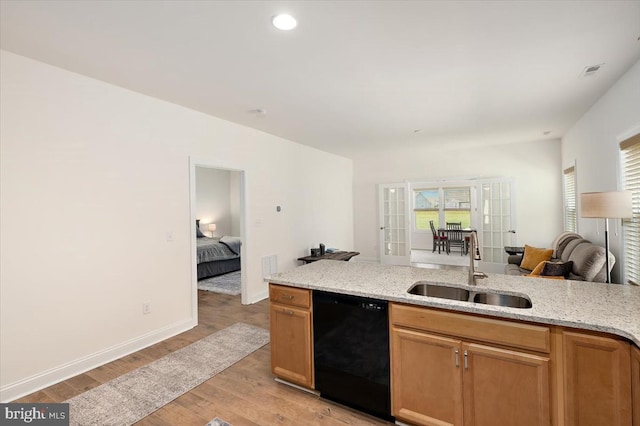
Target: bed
[[217, 255]]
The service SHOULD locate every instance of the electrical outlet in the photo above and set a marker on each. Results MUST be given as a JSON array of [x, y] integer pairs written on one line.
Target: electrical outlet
[[146, 308]]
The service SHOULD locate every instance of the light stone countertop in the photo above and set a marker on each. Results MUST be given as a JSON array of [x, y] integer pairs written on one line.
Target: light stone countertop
[[610, 308]]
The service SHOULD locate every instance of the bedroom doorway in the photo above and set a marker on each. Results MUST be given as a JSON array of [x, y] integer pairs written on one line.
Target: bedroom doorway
[[217, 200]]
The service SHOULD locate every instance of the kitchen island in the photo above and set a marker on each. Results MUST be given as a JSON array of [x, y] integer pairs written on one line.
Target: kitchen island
[[609, 308], [573, 333]]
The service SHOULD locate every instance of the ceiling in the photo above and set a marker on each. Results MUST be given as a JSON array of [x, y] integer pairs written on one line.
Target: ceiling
[[353, 76]]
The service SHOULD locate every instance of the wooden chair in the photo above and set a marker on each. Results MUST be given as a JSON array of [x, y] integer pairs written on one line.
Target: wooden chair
[[458, 225], [438, 240], [456, 239]]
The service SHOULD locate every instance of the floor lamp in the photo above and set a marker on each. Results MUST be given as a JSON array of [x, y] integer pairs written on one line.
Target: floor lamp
[[606, 205]]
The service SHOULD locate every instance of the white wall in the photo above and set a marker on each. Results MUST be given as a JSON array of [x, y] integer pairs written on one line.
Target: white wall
[[94, 179], [593, 143], [234, 203], [213, 200], [535, 166]]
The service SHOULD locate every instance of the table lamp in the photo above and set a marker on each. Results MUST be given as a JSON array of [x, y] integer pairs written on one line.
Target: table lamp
[[606, 205], [212, 228]]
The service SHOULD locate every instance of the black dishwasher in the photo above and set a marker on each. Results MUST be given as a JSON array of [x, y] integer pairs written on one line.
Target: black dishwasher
[[351, 351]]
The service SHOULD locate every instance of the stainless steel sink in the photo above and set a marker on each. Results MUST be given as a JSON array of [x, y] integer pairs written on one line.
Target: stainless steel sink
[[506, 300], [432, 289], [436, 290]]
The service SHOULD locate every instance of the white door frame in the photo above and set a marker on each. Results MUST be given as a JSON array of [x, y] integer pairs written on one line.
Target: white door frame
[[215, 164], [485, 265], [395, 259]]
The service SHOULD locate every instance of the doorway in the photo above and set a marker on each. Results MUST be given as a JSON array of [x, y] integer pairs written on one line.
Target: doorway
[[406, 211], [217, 207]]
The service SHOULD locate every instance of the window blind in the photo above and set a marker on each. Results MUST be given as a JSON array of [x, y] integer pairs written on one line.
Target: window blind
[[630, 157], [570, 212]]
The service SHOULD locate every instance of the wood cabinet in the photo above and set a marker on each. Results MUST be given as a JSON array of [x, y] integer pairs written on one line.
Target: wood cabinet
[[291, 338], [450, 368], [635, 385], [426, 378], [451, 380], [597, 380], [505, 387]]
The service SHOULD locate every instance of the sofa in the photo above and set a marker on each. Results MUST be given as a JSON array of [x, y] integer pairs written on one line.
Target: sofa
[[588, 260]]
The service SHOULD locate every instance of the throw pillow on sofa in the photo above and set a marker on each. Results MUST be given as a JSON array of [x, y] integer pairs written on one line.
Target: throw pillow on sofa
[[533, 256], [557, 269], [538, 269]]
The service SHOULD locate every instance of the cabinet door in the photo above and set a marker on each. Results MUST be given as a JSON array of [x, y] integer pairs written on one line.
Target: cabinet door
[[291, 350], [597, 380], [504, 387], [426, 382], [635, 384]]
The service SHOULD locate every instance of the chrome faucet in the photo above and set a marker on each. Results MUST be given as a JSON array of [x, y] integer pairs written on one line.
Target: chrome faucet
[[474, 254]]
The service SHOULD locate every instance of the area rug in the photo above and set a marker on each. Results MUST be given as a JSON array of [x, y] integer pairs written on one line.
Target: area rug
[[133, 396], [226, 284], [218, 422]]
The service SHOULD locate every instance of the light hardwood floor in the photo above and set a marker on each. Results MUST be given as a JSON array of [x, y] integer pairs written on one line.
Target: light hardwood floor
[[243, 394]]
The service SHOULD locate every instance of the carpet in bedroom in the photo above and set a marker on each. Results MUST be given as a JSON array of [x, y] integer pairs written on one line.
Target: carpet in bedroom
[[133, 396], [226, 284]]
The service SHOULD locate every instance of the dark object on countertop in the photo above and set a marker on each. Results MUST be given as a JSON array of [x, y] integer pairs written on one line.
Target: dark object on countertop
[[338, 255], [315, 252], [321, 249]]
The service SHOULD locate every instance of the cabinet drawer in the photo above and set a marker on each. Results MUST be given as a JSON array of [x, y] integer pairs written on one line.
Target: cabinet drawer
[[290, 296], [508, 333]]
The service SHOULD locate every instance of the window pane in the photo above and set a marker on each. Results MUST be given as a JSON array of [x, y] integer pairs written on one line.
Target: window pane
[[426, 204], [426, 199], [570, 217], [457, 198], [631, 227], [423, 218], [455, 216], [457, 206]]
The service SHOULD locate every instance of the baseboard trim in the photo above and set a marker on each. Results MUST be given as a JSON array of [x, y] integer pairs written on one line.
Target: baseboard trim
[[255, 298], [55, 375]]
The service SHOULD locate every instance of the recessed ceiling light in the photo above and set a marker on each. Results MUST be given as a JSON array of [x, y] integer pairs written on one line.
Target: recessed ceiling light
[[284, 22]]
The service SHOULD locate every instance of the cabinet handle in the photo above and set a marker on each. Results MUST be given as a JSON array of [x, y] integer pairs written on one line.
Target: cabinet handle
[[466, 362], [287, 296], [289, 312], [457, 358]]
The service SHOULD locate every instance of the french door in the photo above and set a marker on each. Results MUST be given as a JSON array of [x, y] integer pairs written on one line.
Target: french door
[[497, 224], [394, 223]]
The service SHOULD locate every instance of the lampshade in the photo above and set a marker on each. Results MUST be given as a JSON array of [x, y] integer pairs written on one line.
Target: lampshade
[[212, 227], [615, 204]]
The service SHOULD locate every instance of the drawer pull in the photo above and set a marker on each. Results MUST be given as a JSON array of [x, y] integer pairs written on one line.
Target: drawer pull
[[466, 362], [457, 358], [289, 312], [287, 296]]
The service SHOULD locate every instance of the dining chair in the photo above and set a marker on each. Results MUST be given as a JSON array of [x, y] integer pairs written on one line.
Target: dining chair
[[438, 240], [456, 239], [458, 225]]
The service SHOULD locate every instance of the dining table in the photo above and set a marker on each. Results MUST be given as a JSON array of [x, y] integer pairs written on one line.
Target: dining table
[[447, 231]]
